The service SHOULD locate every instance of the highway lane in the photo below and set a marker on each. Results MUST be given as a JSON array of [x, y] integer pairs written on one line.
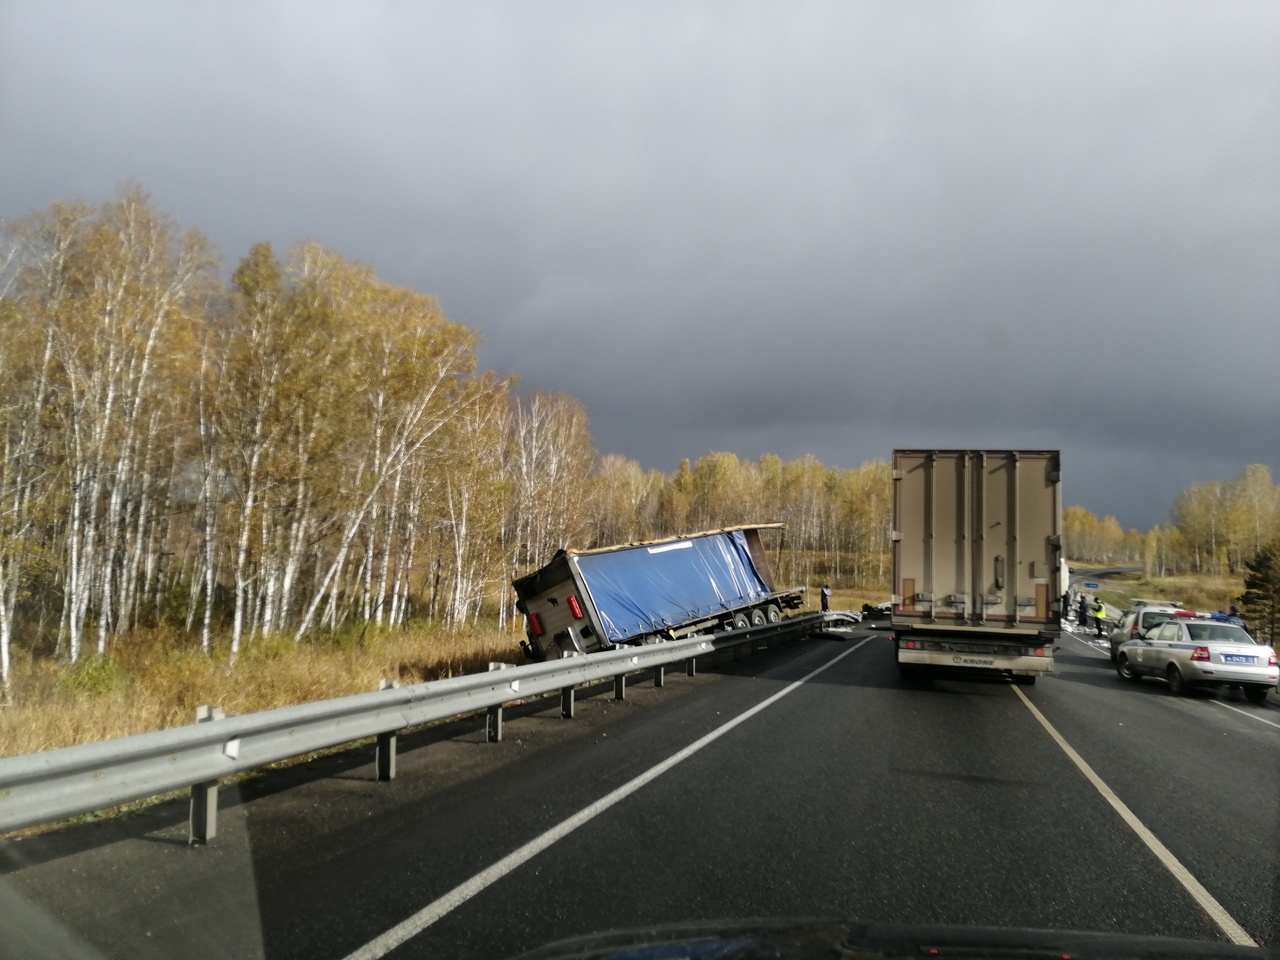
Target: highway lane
[[1205, 777], [851, 796], [944, 803]]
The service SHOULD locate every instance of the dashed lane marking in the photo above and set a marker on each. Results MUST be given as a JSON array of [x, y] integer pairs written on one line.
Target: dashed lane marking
[[460, 894]]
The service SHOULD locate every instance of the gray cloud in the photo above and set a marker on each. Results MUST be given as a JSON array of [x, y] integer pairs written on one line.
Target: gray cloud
[[826, 228]]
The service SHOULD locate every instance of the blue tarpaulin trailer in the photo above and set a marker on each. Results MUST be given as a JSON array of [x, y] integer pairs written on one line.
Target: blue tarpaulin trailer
[[589, 600]]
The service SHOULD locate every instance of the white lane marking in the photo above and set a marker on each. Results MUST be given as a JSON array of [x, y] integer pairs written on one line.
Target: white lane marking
[[1226, 923], [1102, 646], [384, 944], [1246, 713]]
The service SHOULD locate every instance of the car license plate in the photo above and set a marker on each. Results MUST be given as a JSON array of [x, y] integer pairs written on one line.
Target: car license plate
[[1235, 658]]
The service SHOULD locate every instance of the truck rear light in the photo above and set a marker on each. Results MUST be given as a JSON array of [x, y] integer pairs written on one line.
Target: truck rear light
[[1039, 651], [535, 624], [1200, 654], [909, 644], [574, 607]]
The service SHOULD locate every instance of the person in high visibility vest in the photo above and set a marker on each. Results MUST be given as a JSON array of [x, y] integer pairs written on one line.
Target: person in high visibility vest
[[1099, 614]]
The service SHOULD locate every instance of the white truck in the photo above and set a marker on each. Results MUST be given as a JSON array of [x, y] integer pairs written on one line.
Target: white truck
[[977, 560]]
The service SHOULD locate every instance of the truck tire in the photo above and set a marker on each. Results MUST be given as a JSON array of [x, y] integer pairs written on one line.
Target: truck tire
[[740, 621], [758, 618], [912, 674], [772, 614]]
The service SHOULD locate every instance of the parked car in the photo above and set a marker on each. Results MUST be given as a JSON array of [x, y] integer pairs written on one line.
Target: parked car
[[1191, 652], [1140, 618]]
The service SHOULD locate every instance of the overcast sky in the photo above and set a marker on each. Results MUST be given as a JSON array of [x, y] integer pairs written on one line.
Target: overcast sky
[[775, 227]]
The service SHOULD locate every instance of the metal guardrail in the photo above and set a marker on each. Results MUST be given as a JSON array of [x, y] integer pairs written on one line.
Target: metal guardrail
[[56, 784]]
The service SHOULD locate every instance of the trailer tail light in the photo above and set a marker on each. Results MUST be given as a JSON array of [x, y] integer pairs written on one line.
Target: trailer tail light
[[1200, 654], [1039, 651], [575, 607], [535, 624], [909, 644]]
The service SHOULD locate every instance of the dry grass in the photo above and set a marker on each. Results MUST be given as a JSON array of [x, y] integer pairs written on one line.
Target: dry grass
[[841, 599], [1194, 592], [153, 680]]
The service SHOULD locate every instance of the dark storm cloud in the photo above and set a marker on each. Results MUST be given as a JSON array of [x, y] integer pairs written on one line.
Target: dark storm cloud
[[757, 227]]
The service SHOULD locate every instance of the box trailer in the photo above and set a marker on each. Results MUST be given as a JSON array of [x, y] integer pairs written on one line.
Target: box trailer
[[585, 601], [977, 560]]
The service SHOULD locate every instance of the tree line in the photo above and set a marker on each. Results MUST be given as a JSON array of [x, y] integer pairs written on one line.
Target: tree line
[[1216, 528], [304, 447]]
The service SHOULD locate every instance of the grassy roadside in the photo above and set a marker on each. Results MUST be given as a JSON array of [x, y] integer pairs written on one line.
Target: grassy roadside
[[152, 680], [842, 599], [1195, 593]]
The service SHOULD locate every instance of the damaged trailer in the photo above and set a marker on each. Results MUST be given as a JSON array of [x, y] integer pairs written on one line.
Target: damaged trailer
[[585, 601]]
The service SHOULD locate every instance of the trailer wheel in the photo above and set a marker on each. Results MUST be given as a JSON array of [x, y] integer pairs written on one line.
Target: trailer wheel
[[740, 621], [758, 619], [772, 614], [912, 675]]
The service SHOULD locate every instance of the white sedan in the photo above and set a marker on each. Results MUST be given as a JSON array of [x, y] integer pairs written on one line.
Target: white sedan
[[1191, 652]]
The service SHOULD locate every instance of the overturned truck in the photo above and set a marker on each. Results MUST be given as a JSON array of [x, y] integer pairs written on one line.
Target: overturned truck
[[585, 601]]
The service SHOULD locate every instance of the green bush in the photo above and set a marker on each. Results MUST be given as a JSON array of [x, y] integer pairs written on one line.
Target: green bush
[[92, 674]]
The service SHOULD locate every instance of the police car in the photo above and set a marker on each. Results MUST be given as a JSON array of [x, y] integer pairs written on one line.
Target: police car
[[1194, 651]]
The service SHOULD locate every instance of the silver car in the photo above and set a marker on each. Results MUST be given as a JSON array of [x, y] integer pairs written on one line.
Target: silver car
[[1190, 652], [1144, 615]]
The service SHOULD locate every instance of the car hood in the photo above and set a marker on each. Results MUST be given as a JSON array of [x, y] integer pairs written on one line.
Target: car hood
[[801, 939]]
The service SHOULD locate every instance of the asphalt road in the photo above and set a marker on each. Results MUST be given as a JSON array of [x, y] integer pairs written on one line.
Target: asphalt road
[[851, 796]]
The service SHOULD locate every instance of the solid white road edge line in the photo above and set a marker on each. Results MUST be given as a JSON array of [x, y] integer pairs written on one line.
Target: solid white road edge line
[[460, 894], [1246, 713], [1217, 913]]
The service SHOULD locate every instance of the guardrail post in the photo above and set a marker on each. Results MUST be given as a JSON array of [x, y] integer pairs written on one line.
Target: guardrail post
[[567, 691], [620, 687], [691, 667], [658, 675], [493, 722], [384, 754], [204, 796]]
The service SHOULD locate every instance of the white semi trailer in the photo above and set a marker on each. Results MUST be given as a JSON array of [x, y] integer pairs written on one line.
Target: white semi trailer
[[977, 560]]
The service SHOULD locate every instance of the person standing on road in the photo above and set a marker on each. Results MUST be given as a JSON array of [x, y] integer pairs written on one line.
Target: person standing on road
[[1082, 615], [826, 597], [1099, 614], [1233, 616]]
